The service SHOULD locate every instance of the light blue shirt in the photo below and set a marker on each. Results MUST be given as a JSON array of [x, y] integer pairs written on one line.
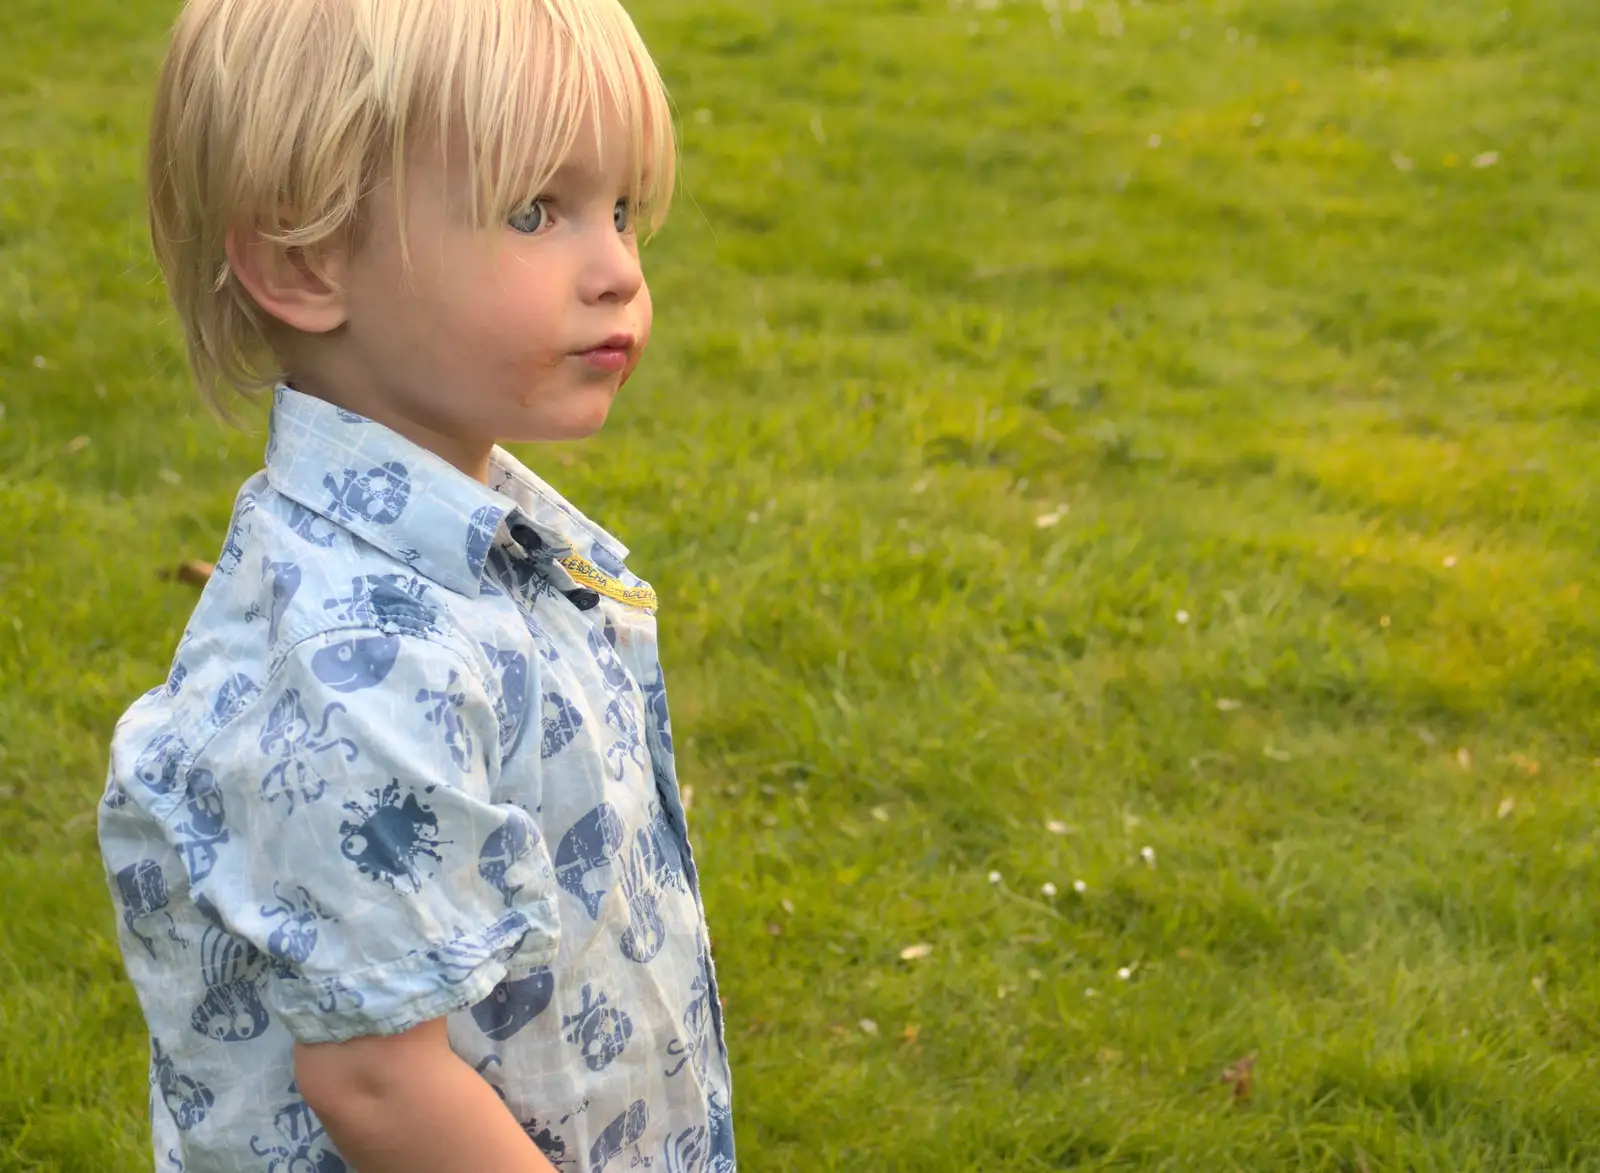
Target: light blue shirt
[[413, 760]]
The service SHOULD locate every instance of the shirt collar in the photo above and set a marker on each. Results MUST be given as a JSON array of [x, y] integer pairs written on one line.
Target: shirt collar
[[412, 504]]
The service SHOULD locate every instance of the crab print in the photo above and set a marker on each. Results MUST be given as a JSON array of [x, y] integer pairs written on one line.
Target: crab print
[[585, 855], [390, 837], [514, 1003], [294, 937], [300, 1146], [378, 495], [625, 1130], [233, 545], [188, 1100], [506, 846], [232, 970], [641, 887], [288, 736], [445, 711], [600, 1031], [200, 834], [142, 888], [561, 721], [513, 668], [385, 599]]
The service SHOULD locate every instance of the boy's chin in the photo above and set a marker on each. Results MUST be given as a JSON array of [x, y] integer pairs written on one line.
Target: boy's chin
[[579, 421]]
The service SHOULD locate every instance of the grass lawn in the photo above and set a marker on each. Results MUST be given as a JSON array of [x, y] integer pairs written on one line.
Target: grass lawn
[[1121, 481]]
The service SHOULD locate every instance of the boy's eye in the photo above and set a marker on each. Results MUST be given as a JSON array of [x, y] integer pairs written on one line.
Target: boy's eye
[[529, 218], [621, 217]]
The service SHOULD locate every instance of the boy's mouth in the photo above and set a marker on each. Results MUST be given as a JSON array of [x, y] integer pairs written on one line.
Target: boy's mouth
[[610, 355]]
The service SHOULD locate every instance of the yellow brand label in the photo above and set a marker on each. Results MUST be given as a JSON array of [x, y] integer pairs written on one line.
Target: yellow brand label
[[586, 573]]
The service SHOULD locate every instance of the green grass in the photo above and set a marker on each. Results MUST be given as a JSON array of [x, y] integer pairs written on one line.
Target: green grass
[[1302, 371]]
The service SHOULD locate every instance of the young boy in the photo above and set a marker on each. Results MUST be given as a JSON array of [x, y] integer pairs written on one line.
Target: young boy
[[397, 851]]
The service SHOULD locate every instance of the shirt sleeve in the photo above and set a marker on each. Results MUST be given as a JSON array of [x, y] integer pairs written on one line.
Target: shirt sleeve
[[360, 850]]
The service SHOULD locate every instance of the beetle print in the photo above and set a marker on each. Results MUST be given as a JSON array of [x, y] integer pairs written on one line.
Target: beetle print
[[508, 844], [389, 836], [378, 495], [143, 889], [186, 1099], [304, 522], [199, 835], [288, 735], [585, 854], [232, 969], [628, 747], [285, 578], [233, 698], [561, 721], [299, 1146], [513, 1004], [625, 1130], [600, 1031], [233, 545], [445, 712], [160, 764], [294, 937], [646, 933], [513, 669]]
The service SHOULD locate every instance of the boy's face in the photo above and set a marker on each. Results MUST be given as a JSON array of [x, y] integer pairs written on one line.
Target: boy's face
[[525, 336]]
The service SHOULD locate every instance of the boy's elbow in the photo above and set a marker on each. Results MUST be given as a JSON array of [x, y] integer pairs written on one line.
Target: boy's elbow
[[339, 1078]]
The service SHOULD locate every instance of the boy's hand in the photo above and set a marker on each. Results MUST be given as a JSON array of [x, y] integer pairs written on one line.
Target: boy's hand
[[407, 1103]]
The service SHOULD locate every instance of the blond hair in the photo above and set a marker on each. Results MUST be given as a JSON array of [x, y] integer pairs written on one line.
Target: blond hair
[[282, 114]]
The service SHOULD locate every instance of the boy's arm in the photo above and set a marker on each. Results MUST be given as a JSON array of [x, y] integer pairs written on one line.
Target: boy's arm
[[407, 1103]]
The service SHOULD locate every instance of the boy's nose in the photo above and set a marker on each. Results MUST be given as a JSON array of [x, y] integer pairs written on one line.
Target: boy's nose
[[613, 272]]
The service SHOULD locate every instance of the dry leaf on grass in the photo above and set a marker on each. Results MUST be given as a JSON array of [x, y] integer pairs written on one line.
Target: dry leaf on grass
[[916, 952], [194, 572], [1240, 1075]]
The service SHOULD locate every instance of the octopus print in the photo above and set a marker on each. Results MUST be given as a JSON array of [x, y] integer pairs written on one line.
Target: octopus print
[[288, 736], [561, 724], [142, 888], [514, 1003], [601, 1031], [690, 1049], [378, 495], [641, 886], [301, 1145], [624, 1131], [585, 854], [612, 670], [389, 838], [188, 1100], [686, 1152], [444, 709], [623, 721], [506, 846], [294, 936], [232, 970], [199, 835]]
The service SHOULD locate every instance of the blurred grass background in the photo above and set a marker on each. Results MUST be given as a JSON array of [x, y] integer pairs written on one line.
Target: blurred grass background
[[1146, 447]]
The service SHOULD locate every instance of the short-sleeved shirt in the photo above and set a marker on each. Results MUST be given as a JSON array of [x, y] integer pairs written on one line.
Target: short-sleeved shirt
[[412, 761]]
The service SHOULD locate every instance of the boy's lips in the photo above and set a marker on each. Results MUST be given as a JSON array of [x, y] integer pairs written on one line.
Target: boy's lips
[[610, 355]]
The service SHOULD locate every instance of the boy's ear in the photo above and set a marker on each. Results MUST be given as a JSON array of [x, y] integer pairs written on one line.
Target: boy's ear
[[284, 284]]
